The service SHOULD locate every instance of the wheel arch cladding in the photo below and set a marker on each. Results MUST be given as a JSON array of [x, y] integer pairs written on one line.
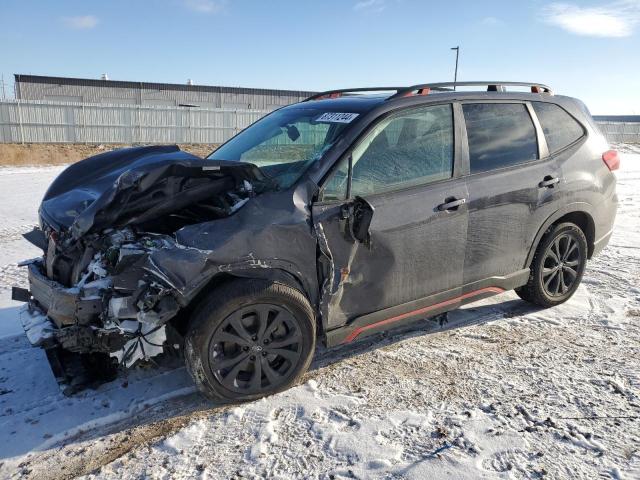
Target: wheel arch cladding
[[276, 275], [578, 214], [585, 222]]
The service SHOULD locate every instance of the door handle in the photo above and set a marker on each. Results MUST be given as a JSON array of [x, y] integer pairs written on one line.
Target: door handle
[[548, 182], [451, 204]]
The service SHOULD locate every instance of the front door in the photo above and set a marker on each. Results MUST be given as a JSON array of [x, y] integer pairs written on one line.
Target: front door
[[403, 169]]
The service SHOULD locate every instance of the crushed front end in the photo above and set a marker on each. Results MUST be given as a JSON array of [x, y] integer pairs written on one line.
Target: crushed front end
[[99, 309], [95, 300]]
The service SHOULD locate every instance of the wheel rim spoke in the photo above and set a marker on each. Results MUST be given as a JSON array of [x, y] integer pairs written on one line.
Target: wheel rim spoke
[[550, 279], [285, 342], [236, 323], [556, 289], [275, 324], [256, 378], [263, 318], [228, 362], [563, 286], [273, 376], [229, 380], [283, 352], [572, 273], [232, 338], [570, 249], [556, 246]]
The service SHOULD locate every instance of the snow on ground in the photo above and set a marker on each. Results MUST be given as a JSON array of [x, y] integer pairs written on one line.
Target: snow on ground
[[504, 391]]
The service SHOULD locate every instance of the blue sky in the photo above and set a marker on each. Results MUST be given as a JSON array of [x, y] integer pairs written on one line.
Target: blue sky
[[590, 50]]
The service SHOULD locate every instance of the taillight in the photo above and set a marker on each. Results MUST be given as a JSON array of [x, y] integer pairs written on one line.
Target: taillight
[[612, 159]]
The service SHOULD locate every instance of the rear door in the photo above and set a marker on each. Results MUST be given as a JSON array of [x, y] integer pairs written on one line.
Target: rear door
[[404, 169], [511, 190]]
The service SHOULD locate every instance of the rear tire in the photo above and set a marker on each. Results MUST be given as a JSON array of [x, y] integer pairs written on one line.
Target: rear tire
[[249, 339], [557, 267]]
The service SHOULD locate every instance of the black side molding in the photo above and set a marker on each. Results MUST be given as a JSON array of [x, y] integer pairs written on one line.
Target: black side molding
[[20, 294], [37, 238]]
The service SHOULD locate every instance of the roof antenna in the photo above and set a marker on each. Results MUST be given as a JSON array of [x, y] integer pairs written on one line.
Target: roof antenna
[[455, 75]]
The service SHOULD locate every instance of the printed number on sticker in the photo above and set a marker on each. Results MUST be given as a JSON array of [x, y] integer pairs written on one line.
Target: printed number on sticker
[[336, 117]]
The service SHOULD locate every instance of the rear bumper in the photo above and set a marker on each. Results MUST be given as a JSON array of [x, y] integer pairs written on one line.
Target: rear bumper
[[64, 306]]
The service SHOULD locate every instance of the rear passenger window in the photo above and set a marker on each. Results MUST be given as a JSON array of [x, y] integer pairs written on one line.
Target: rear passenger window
[[499, 134], [560, 128]]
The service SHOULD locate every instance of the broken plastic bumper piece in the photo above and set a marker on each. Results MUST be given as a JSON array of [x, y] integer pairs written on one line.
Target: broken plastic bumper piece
[[65, 306]]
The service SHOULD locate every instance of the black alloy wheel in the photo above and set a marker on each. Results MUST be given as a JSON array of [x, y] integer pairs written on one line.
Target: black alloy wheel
[[255, 348], [561, 262], [250, 338], [557, 266]]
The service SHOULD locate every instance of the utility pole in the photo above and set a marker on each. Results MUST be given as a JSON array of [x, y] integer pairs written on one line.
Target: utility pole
[[455, 75]]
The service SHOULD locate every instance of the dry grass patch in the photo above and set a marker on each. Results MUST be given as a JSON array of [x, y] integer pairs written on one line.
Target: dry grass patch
[[35, 154]]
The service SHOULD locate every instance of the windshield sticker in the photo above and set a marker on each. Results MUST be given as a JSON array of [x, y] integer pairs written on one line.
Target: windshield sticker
[[336, 117]]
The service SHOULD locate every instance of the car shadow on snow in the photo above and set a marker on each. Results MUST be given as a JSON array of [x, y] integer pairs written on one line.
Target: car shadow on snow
[[36, 416], [479, 313]]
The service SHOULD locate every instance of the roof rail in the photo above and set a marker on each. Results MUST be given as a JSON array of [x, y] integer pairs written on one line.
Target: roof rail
[[342, 91], [492, 86], [426, 88]]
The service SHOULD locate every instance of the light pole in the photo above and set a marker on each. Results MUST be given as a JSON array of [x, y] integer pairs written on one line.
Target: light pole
[[455, 75]]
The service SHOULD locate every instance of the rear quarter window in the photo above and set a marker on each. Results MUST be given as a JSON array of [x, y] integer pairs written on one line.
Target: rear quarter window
[[560, 128], [499, 135]]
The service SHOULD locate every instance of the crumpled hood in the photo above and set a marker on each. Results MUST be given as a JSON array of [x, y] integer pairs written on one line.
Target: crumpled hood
[[131, 185]]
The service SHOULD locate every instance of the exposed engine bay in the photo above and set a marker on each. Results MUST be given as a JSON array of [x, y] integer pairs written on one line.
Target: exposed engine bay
[[96, 300]]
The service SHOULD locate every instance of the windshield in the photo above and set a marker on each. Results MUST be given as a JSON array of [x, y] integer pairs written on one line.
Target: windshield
[[285, 143]]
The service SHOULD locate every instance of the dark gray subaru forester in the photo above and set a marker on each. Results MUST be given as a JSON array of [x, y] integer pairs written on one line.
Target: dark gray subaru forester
[[347, 214]]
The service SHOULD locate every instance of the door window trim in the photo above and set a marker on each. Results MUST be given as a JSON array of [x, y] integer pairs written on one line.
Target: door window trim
[[542, 147], [346, 156], [581, 139]]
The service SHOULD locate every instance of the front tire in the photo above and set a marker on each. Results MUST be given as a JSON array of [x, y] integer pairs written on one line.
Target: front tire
[[557, 267], [249, 339]]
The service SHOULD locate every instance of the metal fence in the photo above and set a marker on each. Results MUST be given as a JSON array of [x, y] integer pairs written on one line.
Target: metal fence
[[46, 122], [26, 121], [620, 132]]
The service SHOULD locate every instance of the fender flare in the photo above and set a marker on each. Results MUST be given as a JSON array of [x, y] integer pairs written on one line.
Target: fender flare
[[275, 275], [581, 207], [275, 271]]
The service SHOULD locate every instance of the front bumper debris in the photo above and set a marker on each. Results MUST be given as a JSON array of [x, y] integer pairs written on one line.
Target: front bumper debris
[[84, 339], [72, 370], [65, 306]]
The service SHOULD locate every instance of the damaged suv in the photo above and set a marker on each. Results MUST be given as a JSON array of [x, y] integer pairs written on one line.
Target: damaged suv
[[335, 218]]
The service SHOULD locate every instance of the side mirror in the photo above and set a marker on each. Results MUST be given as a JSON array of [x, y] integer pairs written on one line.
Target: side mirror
[[358, 215]]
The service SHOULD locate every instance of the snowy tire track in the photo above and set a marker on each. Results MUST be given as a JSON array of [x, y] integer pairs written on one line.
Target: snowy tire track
[[12, 275], [14, 232]]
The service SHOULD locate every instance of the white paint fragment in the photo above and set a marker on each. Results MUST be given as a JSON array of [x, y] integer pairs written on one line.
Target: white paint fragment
[[336, 117], [147, 345], [36, 325]]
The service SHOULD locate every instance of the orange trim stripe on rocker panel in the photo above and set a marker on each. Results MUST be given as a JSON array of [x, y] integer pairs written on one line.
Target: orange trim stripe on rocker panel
[[352, 336]]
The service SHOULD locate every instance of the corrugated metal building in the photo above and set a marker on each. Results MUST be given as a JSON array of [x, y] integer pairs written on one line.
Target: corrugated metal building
[[619, 128], [115, 92]]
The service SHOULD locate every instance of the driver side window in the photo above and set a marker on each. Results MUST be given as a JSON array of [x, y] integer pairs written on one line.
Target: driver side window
[[412, 147], [408, 148]]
